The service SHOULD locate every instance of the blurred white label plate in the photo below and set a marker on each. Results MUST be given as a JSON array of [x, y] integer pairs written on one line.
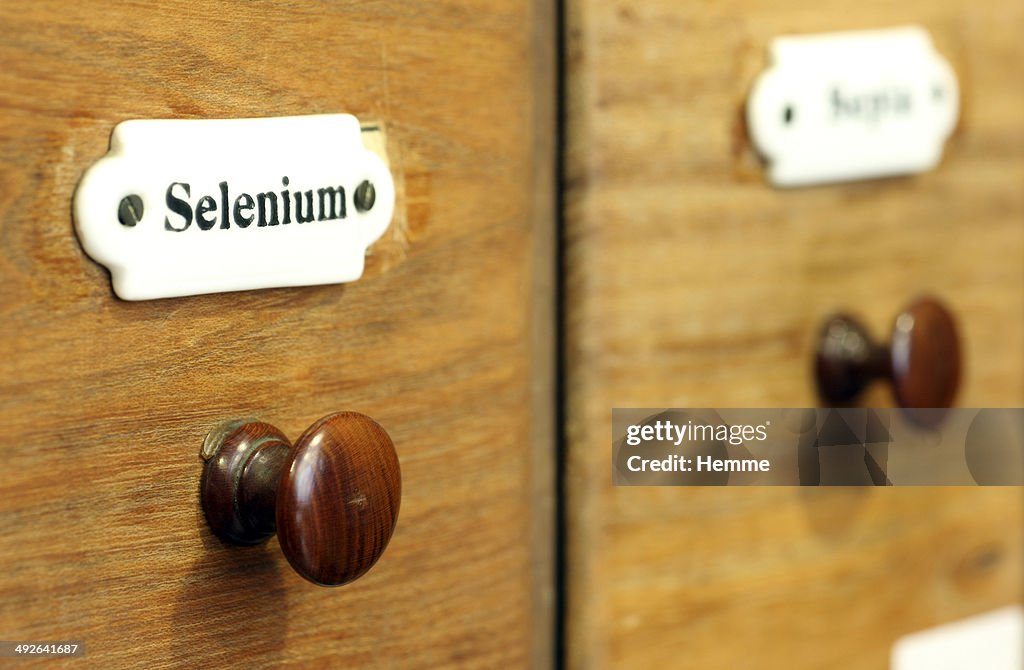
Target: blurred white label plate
[[855, 105], [990, 641], [185, 207]]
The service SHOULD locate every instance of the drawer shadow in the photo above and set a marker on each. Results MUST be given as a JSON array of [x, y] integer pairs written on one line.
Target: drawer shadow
[[231, 608]]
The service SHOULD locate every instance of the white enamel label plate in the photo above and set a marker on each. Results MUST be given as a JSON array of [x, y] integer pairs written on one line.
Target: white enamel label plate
[[186, 207], [844, 106], [990, 641]]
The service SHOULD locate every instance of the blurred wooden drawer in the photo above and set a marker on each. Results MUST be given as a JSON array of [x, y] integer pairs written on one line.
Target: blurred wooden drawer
[[692, 283]]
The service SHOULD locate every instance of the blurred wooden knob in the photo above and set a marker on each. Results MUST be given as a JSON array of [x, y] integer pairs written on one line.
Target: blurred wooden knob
[[922, 361], [332, 499]]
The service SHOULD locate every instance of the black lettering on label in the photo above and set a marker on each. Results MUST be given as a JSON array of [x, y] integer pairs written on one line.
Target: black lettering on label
[[225, 222], [180, 207], [262, 199], [329, 204], [244, 204], [308, 215], [870, 106], [205, 205], [336, 199], [285, 201]]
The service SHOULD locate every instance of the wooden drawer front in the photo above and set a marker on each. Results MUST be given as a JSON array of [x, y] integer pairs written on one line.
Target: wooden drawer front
[[692, 283], [106, 403]]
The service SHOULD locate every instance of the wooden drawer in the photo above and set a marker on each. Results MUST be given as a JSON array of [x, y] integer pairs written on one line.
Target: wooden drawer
[[692, 283], [444, 340]]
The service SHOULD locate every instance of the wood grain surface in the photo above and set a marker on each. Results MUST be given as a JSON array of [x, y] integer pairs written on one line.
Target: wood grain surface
[[691, 283], [445, 341]]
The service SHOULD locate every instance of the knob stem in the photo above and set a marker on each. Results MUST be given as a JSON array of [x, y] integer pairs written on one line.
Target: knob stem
[[257, 490], [847, 360], [238, 489]]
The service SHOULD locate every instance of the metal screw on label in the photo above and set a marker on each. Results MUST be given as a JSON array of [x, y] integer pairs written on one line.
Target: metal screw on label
[[365, 196], [129, 212]]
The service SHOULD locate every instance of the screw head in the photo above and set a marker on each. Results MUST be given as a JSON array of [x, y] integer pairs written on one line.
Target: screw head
[[129, 212], [365, 196]]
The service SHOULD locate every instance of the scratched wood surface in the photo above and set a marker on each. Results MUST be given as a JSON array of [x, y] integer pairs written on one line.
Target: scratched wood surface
[[691, 283], [445, 340]]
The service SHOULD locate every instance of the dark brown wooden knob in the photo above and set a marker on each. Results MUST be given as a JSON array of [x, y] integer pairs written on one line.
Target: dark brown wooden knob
[[922, 360], [332, 499]]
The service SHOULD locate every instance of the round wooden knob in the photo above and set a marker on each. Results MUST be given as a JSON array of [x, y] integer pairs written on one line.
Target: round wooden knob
[[922, 360], [332, 499]]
